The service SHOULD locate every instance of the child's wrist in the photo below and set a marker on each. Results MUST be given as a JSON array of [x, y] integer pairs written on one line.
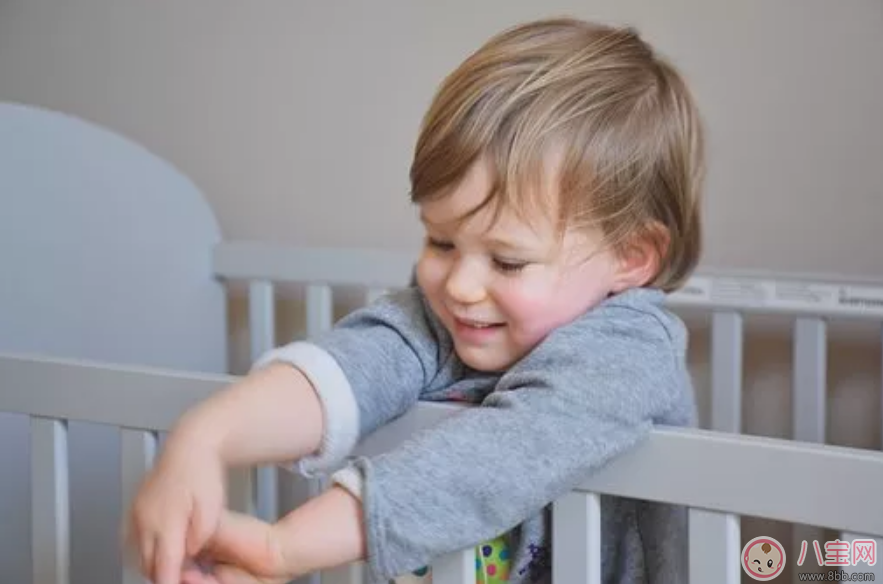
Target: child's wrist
[[326, 532], [190, 440]]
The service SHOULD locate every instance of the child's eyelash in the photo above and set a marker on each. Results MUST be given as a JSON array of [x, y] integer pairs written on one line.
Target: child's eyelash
[[511, 267], [502, 265], [439, 244]]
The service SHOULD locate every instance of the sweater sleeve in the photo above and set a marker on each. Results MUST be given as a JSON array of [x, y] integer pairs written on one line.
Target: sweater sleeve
[[590, 391], [368, 369]]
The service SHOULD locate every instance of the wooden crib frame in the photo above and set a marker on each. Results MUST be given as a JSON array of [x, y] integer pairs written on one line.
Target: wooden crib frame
[[800, 476]]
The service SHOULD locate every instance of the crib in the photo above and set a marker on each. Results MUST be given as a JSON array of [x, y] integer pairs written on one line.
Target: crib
[[720, 473], [726, 472]]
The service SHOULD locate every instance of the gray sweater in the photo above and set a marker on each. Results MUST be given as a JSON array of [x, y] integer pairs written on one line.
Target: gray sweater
[[586, 393]]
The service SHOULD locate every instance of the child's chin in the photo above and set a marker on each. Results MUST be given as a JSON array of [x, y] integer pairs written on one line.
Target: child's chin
[[483, 359]]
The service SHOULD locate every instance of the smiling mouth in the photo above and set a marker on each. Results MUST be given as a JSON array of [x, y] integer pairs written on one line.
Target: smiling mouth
[[477, 324]]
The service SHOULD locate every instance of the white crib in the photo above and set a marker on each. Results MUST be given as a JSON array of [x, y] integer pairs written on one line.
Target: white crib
[[721, 474]]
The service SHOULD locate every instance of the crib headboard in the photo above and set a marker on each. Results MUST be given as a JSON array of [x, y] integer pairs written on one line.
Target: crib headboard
[[106, 254]]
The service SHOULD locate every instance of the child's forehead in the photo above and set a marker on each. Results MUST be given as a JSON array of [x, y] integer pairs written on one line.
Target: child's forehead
[[465, 214], [472, 201]]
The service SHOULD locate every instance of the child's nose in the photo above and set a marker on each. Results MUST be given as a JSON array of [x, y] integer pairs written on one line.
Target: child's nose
[[464, 284]]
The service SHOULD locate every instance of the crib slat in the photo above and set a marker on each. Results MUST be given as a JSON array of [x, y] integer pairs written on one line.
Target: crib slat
[[809, 386], [50, 513], [726, 372], [320, 309], [576, 533], [261, 317], [262, 325], [715, 550], [137, 450], [808, 409], [455, 568]]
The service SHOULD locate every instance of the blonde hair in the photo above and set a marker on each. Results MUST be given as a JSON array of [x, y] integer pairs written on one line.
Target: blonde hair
[[621, 119]]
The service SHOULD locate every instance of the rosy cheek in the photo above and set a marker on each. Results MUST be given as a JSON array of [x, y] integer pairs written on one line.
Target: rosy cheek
[[430, 273], [528, 312], [534, 311]]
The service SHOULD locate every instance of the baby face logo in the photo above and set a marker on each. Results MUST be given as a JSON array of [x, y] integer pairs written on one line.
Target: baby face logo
[[763, 558]]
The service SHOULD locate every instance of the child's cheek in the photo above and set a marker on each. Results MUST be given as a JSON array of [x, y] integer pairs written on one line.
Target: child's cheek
[[531, 313], [534, 311]]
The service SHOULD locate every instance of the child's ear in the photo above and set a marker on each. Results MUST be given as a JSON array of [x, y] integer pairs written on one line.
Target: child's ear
[[640, 258]]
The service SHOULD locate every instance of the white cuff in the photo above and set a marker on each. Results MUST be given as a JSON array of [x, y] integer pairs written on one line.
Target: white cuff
[[350, 479], [338, 402]]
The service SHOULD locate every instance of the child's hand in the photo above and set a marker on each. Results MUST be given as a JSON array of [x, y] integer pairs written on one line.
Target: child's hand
[[176, 510], [243, 550], [323, 533]]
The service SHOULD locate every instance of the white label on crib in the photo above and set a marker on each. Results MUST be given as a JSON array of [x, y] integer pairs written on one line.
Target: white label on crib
[[777, 295], [742, 291], [861, 298], [696, 288], [805, 294]]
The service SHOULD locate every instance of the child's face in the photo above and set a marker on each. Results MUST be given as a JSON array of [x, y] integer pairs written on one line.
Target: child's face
[[500, 289]]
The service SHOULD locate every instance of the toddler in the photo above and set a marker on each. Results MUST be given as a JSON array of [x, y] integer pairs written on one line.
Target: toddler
[[557, 175]]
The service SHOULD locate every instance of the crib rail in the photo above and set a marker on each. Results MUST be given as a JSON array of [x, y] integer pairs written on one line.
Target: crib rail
[[740, 475], [131, 397], [812, 296]]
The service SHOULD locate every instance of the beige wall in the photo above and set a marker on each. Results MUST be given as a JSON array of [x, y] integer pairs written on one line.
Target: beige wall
[[297, 118]]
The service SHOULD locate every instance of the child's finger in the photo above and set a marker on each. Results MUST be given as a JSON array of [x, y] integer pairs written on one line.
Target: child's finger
[[195, 575], [224, 574], [138, 546], [169, 554], [199, 529], [146, 549], [232, 575]]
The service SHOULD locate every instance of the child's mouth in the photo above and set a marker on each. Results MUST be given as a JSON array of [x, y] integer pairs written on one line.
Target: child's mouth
[[476, 330], [478, 324]]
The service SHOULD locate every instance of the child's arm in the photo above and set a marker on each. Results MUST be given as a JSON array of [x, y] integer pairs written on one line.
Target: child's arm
[[272, 414]]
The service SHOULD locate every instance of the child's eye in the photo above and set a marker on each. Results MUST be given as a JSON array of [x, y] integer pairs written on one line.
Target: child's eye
[[442, 245], [509, 267]]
